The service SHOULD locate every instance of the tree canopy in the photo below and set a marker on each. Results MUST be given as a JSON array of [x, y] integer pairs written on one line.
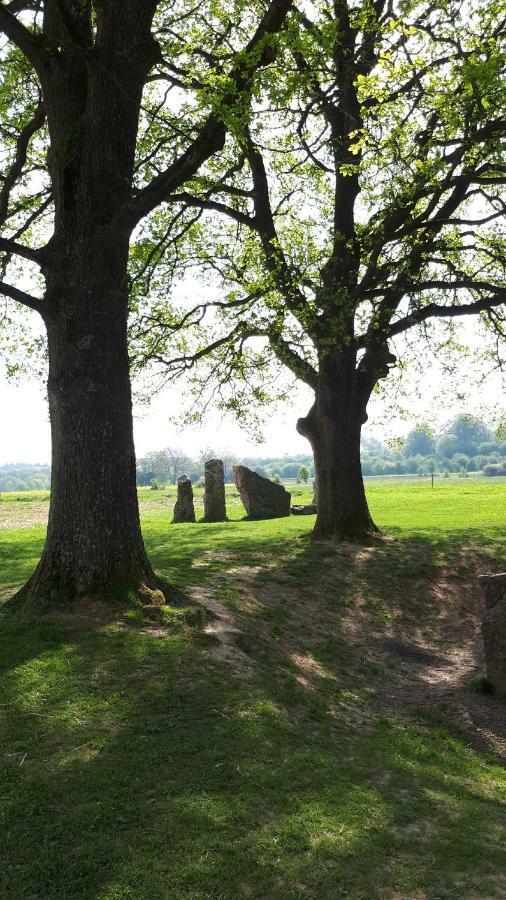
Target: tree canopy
[[360, 196], [187, 104], [335, 168]]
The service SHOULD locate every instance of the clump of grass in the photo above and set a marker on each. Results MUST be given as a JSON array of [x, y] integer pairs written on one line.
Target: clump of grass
[[481, 684]]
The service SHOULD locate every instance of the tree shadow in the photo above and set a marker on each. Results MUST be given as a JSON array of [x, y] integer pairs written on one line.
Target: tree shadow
[[153, 773], [135, 765]]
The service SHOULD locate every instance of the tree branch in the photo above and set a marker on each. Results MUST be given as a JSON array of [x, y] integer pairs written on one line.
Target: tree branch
[[265, 225], [21, 297], [197, 311], [201, 203], [31, 45], [211, 137], [393, 294], [297, 364], [433, 310], [9, 246], [22, 144], [180, 364]]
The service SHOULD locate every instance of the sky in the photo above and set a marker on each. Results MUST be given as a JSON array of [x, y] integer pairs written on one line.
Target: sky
[[25, 434]]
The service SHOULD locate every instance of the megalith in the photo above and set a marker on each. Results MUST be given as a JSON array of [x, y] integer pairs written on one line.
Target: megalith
[[214, 491], [261, 498], [493, 625], [184, 511]]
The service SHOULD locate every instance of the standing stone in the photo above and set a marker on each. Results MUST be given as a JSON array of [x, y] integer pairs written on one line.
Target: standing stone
[[214, 492], [261, 498], [315, 492], [184, 510], [493, 625]]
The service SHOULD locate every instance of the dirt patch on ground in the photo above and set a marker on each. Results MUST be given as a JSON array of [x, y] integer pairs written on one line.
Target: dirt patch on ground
[[28, 514], [23, 514], [422, 636], [437, 673], [84, 613]]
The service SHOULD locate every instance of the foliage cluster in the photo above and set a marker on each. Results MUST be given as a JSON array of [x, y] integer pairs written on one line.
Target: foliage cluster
[[467, 444]]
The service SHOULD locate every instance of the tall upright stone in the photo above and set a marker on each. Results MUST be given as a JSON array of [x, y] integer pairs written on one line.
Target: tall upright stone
[[184, 510], [493, 625], [214, 491], [261, 498]]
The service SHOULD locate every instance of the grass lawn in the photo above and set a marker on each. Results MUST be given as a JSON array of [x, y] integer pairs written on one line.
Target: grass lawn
[[336, 750]]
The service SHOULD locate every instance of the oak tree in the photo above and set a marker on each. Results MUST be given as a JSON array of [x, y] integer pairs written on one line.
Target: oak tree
[[362, 198], [106, 109]]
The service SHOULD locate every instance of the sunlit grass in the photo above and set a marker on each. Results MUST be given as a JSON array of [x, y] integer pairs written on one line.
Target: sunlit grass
[[138, 766]]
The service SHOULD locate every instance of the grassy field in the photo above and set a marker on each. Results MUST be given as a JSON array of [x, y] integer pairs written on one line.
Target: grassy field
[[335, 749]]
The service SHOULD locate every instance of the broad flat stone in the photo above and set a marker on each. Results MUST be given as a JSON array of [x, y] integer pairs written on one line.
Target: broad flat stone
[[261, 498], [308, 510]]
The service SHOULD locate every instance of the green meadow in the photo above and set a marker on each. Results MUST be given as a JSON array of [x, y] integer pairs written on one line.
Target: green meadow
[[337, 748]]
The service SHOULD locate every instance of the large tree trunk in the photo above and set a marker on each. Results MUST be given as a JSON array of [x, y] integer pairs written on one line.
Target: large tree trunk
[[333, 428], [94, 543]]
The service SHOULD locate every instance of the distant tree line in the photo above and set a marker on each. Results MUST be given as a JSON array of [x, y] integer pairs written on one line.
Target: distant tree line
[[164, 466], [20, 477], [467, 445]]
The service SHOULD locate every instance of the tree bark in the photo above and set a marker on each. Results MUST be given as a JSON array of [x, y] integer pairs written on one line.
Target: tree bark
[[333, 427], [94, 543]]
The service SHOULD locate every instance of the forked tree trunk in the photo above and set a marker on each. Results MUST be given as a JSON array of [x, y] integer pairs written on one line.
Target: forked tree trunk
[[333, 427]]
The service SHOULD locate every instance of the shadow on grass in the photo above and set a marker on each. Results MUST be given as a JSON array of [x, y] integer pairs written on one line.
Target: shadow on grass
[[196, 555], [413, 601], [134, 766], [147, 774]]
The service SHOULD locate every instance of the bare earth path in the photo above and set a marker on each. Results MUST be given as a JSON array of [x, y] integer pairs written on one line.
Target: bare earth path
[[22, 514], [424, 640]]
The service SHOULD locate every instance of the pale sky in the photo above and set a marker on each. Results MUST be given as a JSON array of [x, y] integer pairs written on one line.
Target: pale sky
[[25, 434]]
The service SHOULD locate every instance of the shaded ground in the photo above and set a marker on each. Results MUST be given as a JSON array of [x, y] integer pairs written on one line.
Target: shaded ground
[[331, 747], [427, 662]]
